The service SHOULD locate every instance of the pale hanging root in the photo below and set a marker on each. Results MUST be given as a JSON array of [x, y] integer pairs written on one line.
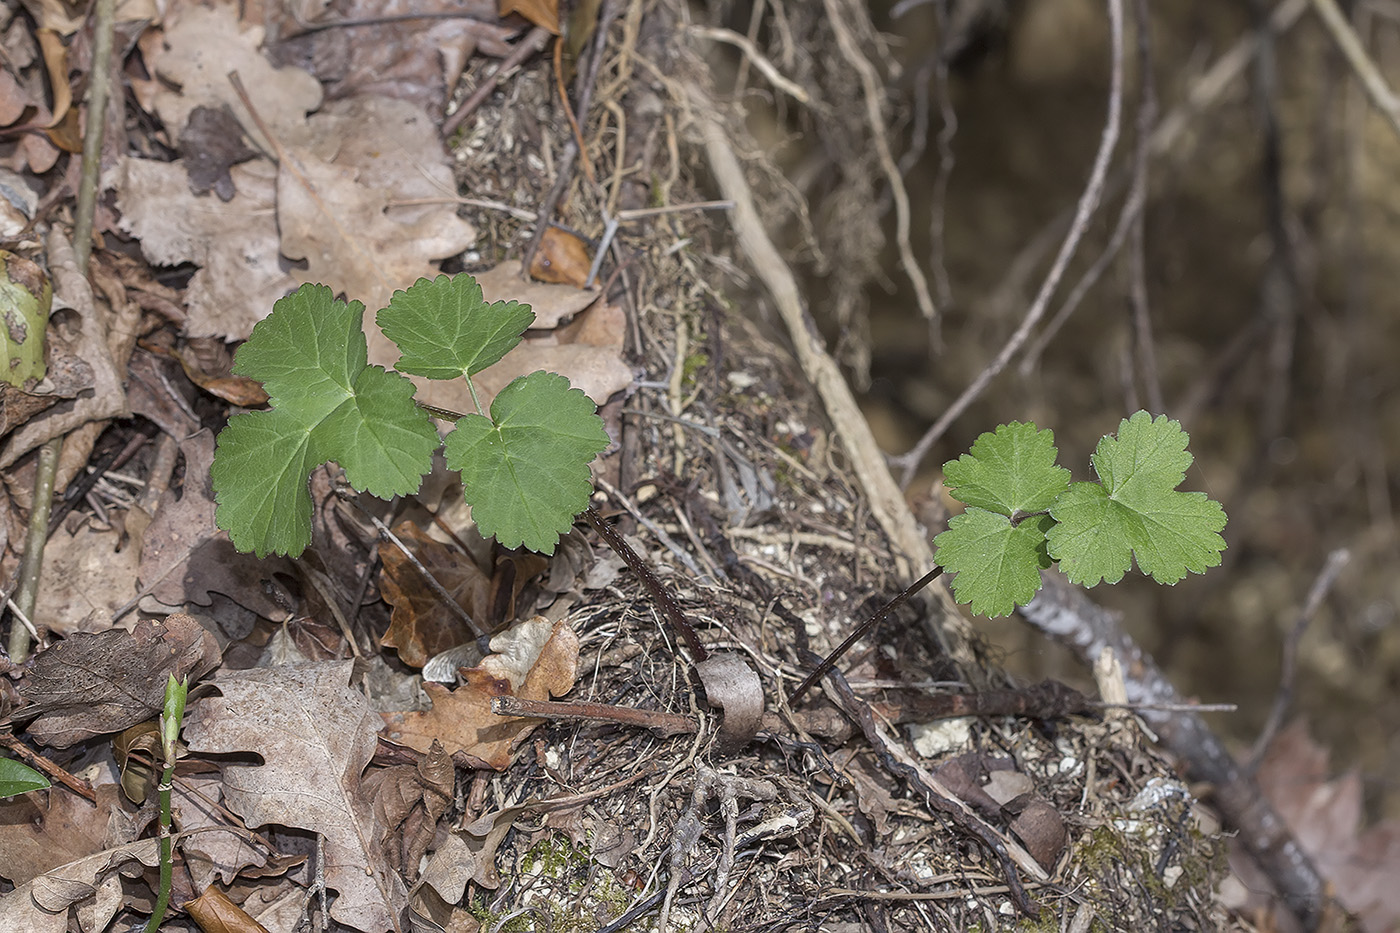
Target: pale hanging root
[[870, 87], [951, 631]]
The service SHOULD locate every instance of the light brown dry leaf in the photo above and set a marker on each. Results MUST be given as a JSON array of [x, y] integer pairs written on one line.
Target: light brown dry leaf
[[1326, 818], [41, 832], [731, 684], [41, 905], [562, 258], [469, 854], [234, 243], [534, 659], [543, 13], [420, 625], [90, 685], [552, 303], [88, 574], [316, 736], [218, 851], [215, 913], [194, 61]]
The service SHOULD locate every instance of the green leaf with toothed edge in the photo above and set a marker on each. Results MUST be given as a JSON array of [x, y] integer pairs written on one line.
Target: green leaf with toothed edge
[[327, 404]]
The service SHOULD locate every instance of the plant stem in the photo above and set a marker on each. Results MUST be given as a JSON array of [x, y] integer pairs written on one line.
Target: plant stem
[[32, 563], [669, 606], [864, 628], [167, 860]]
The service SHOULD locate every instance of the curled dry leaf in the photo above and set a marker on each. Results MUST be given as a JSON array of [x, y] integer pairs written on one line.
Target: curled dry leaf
[[41, 905], [534, 659], [420, 625], [92, 685], [562, 258], [215, 913], [731, 684]]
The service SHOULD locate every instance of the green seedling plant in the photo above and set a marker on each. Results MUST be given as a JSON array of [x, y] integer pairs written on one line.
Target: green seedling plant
[[524, 464], [1024, 515]]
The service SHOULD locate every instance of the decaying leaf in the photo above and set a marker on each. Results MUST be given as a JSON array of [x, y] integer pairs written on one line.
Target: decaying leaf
[[215, 913], [43, 832], [534, 659], [421, 626], [316, 736], [41, 905], [408, 801], [1325, 816], [562, 258], [90, 685], [731, 684], [90, 572]]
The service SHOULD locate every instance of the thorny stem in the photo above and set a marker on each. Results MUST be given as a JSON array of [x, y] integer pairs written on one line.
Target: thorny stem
[[669, 606], [861, 631]]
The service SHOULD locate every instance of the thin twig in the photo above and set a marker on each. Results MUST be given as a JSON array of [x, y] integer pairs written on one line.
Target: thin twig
[[1320, 587], [861, 631], [1088, 204], [1382, 97], [662, 723], [752, 54], [534, 41]]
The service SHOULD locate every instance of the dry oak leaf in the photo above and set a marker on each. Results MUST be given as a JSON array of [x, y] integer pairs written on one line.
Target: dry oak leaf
[[316, 735], [420, 625], [534, 660], [90, 685], [408, 802], [93, 883]]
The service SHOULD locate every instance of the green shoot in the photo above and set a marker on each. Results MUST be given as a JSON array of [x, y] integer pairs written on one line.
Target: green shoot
[[171, 717]]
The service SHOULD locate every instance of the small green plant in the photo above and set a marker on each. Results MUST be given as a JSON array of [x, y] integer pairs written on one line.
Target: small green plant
[[1023, 513], [524, 466], [17, 778]]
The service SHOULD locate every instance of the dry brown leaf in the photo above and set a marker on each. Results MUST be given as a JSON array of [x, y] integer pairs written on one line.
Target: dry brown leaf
[[543, 13], [41, 905], [215, 913], [408, 801], [316, 736], [195, 59], [90, 685], [235, 244], [38, 835], [89, 574], [421, 626], [1326, 818], [562, 258], [217, 851], [185, 557], [552, 304], [534, 660]]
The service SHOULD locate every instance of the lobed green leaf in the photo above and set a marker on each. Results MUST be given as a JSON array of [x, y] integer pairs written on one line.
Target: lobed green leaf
[[997, 562], [326, 404], [1137, 512], [526, 475], [446, 329], [1010, 470]]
